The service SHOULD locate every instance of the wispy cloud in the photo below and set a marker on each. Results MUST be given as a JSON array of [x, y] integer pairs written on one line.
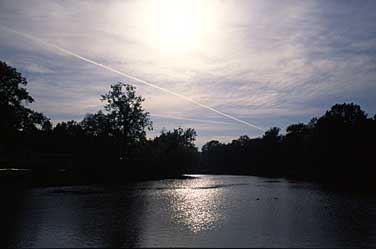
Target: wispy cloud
[[266, 62]]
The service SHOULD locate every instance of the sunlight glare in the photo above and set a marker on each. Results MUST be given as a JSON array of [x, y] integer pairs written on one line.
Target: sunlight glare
[[179, 26], [197, 204]]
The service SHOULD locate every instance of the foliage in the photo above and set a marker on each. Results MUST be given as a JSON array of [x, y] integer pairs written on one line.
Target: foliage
[[97, 124], [125, 116], [111, 145], [13, 97], [328, 147], [175, 151]]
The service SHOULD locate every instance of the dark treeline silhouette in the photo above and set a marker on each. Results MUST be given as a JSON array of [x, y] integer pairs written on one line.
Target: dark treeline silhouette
[[110, 146], [337, 146]]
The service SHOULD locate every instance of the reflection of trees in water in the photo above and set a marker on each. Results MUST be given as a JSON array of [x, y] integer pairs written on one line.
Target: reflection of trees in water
[[11, 205], [76, 217], [349, 215]]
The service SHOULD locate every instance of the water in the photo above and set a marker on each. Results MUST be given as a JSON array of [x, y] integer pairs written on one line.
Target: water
[[207, 211]]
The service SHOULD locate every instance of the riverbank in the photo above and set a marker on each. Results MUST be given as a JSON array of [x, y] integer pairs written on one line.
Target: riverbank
[[28, 178]]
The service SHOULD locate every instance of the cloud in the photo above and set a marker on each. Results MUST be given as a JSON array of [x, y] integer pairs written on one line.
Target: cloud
[[37, 68], [266, 62]]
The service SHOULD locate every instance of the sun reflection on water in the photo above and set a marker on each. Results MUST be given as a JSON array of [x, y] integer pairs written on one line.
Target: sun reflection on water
[[197, 205]]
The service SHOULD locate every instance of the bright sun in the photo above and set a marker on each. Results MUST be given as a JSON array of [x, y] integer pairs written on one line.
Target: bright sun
[[178, 26]]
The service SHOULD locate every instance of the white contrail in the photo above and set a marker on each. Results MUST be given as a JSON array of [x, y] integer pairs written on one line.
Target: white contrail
[[191, 119], [65, 51]]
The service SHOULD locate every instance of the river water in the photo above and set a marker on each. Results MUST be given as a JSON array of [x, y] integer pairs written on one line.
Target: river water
[[203, 211]]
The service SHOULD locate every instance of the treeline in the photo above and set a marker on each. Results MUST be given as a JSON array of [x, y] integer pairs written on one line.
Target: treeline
[[339, 145], [104, 147], [110, 146]]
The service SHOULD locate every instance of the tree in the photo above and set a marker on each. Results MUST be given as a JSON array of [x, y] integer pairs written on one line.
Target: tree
[[272, 135], [297, 130], [211, 145], [175, 151], [345, 113], [13, 97], [70, 129], [178, 138], [213, 157], [125, 114], [97, 124]]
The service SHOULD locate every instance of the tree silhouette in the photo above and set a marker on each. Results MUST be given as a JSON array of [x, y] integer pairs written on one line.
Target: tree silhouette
[[336, 147], [98, 124], [349, 114], [125, 114], [272, 134], [13, 97], [174, 151], [70, 129]]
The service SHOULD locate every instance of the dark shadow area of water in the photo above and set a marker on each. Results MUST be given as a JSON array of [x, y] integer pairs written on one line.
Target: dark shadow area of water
[[70, 217]]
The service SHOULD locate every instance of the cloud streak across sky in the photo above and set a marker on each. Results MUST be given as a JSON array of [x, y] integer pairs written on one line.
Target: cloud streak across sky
[[131, 77], [271, 63]]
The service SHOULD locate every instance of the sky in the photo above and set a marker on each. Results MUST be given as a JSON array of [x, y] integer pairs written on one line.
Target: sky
[[267, 63]]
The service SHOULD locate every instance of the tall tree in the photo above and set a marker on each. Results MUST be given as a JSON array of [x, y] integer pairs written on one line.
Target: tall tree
[[126, 115], [13, 98]]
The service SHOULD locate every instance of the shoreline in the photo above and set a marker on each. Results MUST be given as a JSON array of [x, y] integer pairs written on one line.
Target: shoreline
[[24, 179]]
